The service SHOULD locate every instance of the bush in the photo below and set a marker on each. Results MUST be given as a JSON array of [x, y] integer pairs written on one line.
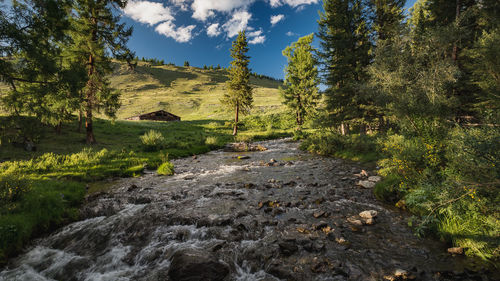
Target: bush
[[152, 140], [355, 147], [450, 183], [166, 169]]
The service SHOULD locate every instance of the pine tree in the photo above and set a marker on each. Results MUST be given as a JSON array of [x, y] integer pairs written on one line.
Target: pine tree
[[387, 17], [301, 79], [345, 47], [42, 81], [186, 64], [96, 33], [239, 92]]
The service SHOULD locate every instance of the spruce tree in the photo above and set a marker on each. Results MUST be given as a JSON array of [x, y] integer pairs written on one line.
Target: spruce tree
[[345, 47], [301, 93], [96, 33], [239, 92], [42, 82], [387, 17]]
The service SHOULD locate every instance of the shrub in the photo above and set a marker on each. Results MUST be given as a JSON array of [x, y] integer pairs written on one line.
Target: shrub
[[152, 140], [354, 147], [166, 169], [212, 141]]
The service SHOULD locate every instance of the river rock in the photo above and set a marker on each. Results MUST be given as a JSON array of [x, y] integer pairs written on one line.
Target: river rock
[[370, 214], [456, 250], [375, 178], [288, 247], [355, 221], [194, 265], [366, 184]]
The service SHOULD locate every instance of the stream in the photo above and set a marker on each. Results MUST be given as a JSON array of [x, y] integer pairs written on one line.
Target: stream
[[279, 214]]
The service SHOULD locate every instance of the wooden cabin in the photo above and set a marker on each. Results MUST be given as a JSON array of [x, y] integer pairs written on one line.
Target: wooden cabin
[[160, 115]]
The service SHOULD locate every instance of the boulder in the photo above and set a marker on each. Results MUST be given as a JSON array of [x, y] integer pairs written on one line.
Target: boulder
[[370, 214], [288, 247], [374, 178], [366, 184], [456, 250], [193, 265]]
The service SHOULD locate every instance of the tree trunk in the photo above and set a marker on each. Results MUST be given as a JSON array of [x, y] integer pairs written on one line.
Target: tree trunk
[[454, 54], [344, 129], [89, 105], [80, 121], [299, 117], [235, 128], [362, 129], [299, 120], [58, 127]]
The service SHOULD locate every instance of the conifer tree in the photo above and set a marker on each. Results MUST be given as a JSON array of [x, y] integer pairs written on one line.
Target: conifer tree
[[387, 17], [345, 46], [301, 93], [32, 63], [239, 92], [96, 33]]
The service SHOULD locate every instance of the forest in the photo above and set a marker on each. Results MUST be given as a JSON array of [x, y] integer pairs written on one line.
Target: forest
[[413, 95]]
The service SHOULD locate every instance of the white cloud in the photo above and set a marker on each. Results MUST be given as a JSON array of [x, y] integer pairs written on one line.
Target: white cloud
[[289, 33], [277, 18], [148, 12], [254, 33], [203, 9], [238, 22], [257, 40], [181, 34], [154, 13], [275, 3], [183, 4], [213, 30], [256, 37], [292, 3]]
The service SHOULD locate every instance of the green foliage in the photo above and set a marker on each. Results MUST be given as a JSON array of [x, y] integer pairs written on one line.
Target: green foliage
[[486, 71], [301, 79], [387, 16], [354, 147], [166, 169], [41, 206], [153, 140], [269, 122], [239, 94], [450, 182], [85, 165]]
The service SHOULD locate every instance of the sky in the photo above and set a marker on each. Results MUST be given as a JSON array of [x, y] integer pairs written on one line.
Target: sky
[[201, 31]]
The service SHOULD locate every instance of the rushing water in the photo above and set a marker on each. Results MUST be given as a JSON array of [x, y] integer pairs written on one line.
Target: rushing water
[[251, 219]]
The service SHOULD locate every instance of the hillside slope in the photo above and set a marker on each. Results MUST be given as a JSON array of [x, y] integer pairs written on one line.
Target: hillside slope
[[189, 92]]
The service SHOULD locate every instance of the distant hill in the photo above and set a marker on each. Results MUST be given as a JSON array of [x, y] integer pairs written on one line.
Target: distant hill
[[190, 92]]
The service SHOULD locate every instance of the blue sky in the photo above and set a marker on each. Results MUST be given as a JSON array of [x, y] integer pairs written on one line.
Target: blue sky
[[201, 31]]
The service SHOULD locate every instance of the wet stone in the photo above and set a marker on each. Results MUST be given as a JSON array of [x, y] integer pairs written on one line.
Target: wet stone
[[288, 247], [194, 265], [319, 214]]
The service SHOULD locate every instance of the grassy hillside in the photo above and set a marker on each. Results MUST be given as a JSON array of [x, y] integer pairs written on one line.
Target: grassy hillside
[[189, 92]]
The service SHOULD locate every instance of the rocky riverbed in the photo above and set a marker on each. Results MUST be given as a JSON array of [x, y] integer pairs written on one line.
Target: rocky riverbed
[[278, 214]]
